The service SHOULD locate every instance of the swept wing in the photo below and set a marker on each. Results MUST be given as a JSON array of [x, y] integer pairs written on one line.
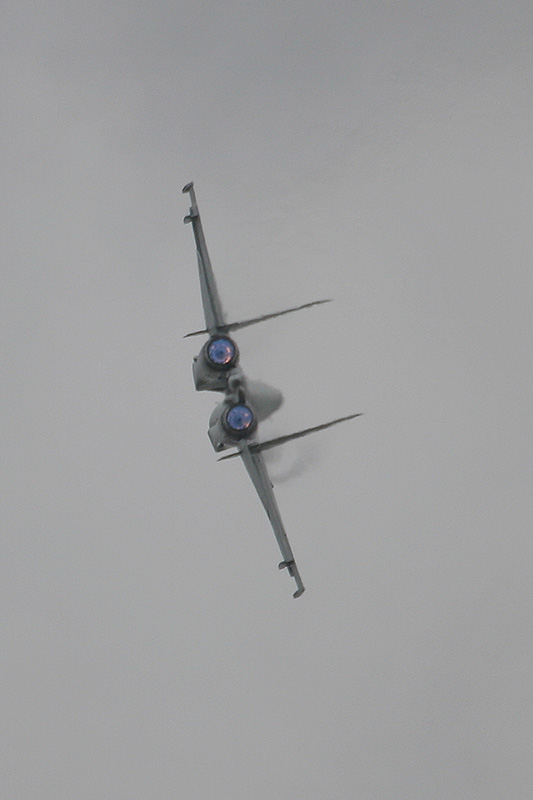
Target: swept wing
[[250, 452], [214, 316], [255, 464], [252, 456], [215, 322]]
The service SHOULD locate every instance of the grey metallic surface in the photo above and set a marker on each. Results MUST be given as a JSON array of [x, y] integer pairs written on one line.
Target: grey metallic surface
[[233, 419], [255, 466], [214, 316], [150, 649]]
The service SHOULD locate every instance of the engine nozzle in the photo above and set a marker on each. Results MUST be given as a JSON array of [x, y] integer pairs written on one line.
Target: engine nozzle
[[221, 352]]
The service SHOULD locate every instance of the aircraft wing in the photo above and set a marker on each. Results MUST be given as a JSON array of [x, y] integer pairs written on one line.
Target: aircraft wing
[[255, 464], [214, 316]]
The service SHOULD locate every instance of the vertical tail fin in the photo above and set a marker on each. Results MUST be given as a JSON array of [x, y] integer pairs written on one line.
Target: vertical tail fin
[[233, 326], [258, 447]]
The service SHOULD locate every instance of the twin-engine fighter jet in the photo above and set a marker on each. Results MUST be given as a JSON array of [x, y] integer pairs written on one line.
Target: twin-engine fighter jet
[[234, 422]]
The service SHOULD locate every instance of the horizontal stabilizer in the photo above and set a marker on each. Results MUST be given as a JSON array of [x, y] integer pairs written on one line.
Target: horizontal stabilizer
[[233, 326], [260, 446]]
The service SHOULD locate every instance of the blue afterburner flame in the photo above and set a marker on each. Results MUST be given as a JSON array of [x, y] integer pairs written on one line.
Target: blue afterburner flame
[[239, 417], [221, 351]]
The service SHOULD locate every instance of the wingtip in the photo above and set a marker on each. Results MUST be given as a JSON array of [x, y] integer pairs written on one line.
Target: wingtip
[[299, 592], [187, 188]]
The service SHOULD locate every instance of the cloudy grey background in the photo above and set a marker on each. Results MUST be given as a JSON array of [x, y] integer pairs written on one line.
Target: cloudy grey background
[[376, 152]]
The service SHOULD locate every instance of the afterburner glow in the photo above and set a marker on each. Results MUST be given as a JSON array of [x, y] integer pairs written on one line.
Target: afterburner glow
[[221, 351], [239, 418]]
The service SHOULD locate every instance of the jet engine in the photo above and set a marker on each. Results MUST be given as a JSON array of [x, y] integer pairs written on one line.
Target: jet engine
[[246, 403], [230, 422], [211, 366]]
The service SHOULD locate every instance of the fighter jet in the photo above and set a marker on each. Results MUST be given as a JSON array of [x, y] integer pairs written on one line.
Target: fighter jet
[[234, 421]]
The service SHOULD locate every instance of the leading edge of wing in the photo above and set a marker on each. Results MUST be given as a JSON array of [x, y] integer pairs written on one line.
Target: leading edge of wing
[[213, 313], [255, 465]]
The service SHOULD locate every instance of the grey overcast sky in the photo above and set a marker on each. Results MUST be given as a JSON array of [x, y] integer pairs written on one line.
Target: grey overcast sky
[[379, 153]]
